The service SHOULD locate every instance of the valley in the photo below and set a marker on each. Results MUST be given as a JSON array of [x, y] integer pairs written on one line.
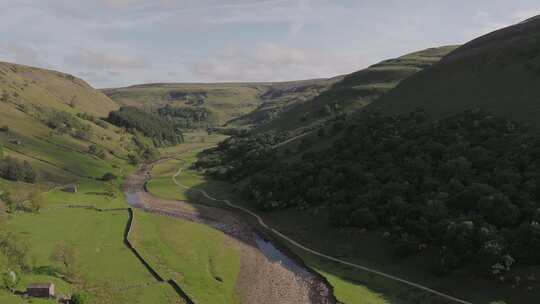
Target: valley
[[413, 181]]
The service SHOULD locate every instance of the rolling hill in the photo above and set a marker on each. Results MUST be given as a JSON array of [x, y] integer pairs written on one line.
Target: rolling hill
[[498, 72], [440, 196], [356, 90], [239, 104], [51, 119]]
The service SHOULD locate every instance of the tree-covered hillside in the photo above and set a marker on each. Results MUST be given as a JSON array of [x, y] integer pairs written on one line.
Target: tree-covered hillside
[[162, 132], [468, 185]]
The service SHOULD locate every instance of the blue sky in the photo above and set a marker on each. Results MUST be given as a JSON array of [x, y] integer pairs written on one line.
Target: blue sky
[[122, 42]]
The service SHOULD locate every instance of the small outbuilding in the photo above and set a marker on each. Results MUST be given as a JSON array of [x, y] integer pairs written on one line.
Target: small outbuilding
[[40, 290], [72, 188]]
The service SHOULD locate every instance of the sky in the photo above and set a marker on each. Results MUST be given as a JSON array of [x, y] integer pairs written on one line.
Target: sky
[[112, 43]]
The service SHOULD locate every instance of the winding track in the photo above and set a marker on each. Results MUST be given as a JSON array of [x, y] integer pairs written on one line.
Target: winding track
[[367, 269]]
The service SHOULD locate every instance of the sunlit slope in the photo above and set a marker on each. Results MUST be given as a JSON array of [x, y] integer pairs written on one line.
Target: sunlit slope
[[357, 90], [226, 102], [32, 100], [54, 89], [498, 72]]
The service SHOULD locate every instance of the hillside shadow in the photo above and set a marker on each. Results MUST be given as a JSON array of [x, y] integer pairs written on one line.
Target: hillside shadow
[[361, 248]]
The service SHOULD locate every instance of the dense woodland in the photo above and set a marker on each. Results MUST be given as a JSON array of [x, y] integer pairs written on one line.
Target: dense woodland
[[187, 118], [162, 132], [468, 185]]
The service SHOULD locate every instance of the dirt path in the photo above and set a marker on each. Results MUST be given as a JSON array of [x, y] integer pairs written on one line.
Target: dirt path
[[263, 279]]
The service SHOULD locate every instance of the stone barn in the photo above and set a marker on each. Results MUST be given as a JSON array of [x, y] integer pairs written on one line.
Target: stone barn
[[72, 188], [41, 290]]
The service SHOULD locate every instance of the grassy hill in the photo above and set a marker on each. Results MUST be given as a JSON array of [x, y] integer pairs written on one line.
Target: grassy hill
[[224, 102], [356, 90], [498, 72], [280, 98], [439, 197], [50, 119]]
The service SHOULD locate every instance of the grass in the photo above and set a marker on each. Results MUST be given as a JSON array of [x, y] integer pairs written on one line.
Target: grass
[[59, 158], [355, 90], [224, 101], [8, 298], [89, 193], [109, 271], [195, 255], [347, 291], [497, 72]]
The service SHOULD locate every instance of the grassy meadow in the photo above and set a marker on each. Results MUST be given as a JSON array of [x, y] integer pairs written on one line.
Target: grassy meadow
[[195, 255], [107, 268]]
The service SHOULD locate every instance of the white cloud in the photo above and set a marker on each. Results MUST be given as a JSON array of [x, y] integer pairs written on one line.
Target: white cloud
[[272, 62], [97, 60], [20, 53], [524, 14]]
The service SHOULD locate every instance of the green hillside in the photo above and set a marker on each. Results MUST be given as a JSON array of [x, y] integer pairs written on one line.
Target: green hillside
[[212, 105], [279, 98], [498, 72], [440, 196], [51, 119], [356, 90]]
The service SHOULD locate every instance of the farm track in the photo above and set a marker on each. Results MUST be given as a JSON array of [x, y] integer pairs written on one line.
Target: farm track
[[317, 253]]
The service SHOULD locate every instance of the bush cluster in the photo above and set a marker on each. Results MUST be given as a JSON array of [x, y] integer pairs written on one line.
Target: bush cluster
[[15, 170]]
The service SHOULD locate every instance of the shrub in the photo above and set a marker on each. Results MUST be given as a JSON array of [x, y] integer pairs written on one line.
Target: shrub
[[108, 177], [97, 151], [15, 170], [79, 298]]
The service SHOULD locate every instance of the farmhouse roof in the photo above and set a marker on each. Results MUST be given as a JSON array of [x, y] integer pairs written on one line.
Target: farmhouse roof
[[40, 285]]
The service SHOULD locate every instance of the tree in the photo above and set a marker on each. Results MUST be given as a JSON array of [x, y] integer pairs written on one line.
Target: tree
[[108, 177], [64, 254], [110, 188], [15, 170], [14, 249], [134, 159], [10, 279], [35, 203], [97, 151], [79, 298]]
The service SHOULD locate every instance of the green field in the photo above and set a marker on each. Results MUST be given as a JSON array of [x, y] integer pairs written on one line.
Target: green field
[[90, 193], [108, 269], [194, 255]]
